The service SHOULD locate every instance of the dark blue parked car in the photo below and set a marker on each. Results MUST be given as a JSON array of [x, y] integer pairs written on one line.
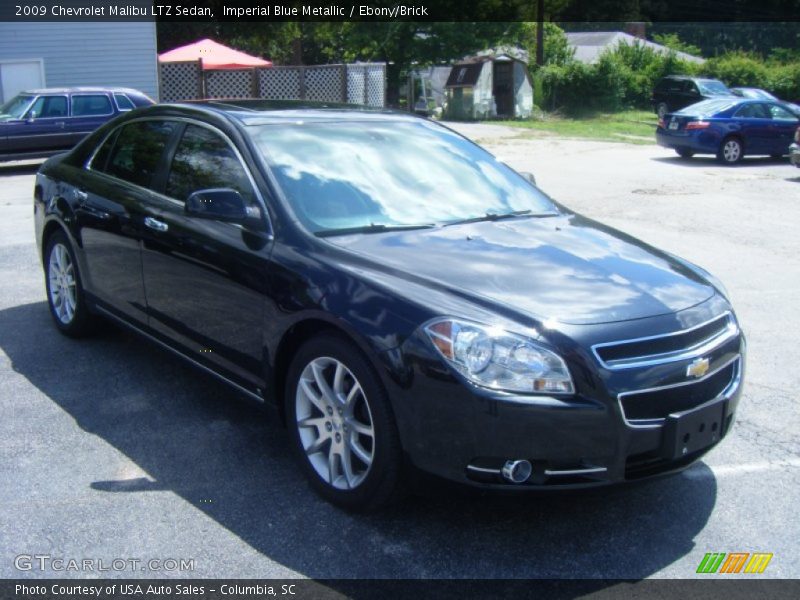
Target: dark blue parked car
[[43, 122], [730, 128]]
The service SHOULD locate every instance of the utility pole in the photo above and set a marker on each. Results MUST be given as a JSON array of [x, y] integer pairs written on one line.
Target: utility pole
[[540, 32]]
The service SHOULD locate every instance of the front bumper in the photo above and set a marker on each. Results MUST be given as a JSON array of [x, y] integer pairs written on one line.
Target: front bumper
[[466, 434], [794, 155]]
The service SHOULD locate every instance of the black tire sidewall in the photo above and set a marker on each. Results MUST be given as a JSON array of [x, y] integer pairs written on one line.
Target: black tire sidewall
[[80, 324], [381, 483]]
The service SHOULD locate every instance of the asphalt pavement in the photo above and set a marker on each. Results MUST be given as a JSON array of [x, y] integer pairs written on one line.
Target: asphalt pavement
[[110, 448]]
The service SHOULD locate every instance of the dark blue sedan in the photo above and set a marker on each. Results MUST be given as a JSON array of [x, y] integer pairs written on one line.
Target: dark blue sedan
[[729, 128], [39, 123]]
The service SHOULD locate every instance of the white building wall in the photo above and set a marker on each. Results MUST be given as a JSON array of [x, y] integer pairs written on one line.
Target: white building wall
[[87, 53]]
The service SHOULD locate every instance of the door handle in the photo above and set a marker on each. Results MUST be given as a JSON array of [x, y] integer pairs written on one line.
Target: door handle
[[59, 124], [155, 224]]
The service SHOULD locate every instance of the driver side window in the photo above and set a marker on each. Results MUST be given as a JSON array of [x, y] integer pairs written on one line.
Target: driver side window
[[204, 160], [47, 107]]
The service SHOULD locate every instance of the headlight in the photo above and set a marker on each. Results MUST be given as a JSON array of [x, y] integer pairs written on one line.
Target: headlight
[[500, 360]]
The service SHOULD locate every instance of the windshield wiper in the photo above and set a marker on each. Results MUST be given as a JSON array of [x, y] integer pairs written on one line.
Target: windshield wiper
[[372, 228], [500, 216]]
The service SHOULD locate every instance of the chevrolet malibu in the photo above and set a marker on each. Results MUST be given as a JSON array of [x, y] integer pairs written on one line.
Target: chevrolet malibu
[[406, 301]]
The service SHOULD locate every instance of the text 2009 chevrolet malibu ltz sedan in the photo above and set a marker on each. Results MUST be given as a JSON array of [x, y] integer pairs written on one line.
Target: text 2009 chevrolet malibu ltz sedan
[[404, 298]]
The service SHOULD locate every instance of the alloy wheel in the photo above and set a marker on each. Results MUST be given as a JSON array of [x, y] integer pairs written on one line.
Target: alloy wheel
[[335, 423], [731, 151], [63, 287]]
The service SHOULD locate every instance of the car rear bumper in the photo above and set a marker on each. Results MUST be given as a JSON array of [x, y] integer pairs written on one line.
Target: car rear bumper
[[700, 142]]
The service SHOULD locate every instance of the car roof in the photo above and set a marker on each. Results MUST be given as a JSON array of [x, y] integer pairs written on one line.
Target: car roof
[[689, 78], [74, 90], [256, 112]]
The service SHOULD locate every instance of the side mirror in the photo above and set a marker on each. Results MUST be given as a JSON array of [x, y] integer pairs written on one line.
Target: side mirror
[[31, 117], [529, 177], [220, 204]]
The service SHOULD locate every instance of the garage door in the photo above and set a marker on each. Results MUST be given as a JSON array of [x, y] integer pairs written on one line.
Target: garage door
[[19, 75]]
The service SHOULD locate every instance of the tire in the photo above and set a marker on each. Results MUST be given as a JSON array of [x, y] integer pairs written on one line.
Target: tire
[[662, 109], [684, 153], [730, 151], [65, 296], [341, 425]]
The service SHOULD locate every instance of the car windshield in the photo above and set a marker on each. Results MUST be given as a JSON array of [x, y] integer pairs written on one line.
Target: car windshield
[[711, 87], [378, 175], [707, 108], [15, 108]]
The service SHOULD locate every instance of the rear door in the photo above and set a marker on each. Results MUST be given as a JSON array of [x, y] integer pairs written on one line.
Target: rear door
[[754, 121], [111, 213], [89, 111], [206, 280]]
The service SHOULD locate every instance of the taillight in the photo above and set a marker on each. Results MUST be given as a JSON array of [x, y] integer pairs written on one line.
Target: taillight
[[697, 125], [797, 135]]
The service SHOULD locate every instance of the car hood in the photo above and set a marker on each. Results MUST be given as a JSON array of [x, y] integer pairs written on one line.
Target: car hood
[[566, 268]]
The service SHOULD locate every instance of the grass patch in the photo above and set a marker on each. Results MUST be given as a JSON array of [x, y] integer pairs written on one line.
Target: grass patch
[[631, 126]]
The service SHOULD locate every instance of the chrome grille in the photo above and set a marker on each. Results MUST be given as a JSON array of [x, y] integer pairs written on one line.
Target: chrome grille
[[669, 347], [644, 407]]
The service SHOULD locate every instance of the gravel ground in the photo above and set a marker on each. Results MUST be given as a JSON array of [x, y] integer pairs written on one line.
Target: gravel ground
[[110, 448]]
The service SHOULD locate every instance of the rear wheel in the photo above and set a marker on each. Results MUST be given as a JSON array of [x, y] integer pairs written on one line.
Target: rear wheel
[[684, 153], [730, 151], [342, 426], [64, 288]]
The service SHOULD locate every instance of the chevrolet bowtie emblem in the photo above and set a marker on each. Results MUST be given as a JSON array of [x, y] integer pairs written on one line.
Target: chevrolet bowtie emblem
[[698, 367]]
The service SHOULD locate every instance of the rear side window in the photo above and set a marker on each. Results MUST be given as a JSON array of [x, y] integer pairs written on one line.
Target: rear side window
[[204, 160], [100, 159], [91, 105], [123, 102], [48, 107], [137, 152], [753, 111]]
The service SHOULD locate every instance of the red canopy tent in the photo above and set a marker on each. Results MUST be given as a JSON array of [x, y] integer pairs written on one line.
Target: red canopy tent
[[213, 55]]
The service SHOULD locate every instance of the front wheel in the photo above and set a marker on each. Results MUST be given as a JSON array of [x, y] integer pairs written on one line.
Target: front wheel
[[65, 296], [731, 151], [342, 426]]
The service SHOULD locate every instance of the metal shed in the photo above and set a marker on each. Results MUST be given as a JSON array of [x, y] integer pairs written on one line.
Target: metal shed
[[489, 86]]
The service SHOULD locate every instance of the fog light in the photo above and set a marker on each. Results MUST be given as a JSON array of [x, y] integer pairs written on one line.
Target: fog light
[[517, 471]]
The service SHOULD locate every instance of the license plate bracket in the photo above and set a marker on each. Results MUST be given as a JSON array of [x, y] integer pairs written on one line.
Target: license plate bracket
[[692, 430]]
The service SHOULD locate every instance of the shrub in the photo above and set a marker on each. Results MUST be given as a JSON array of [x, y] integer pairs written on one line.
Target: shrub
[[784, 81], [737, 69]]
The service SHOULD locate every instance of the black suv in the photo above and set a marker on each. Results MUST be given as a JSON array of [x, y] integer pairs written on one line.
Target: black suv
[[676, 91]]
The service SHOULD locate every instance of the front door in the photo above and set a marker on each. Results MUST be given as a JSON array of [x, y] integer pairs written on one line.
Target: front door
[[205, 279], [784, 125], [42, 128]]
